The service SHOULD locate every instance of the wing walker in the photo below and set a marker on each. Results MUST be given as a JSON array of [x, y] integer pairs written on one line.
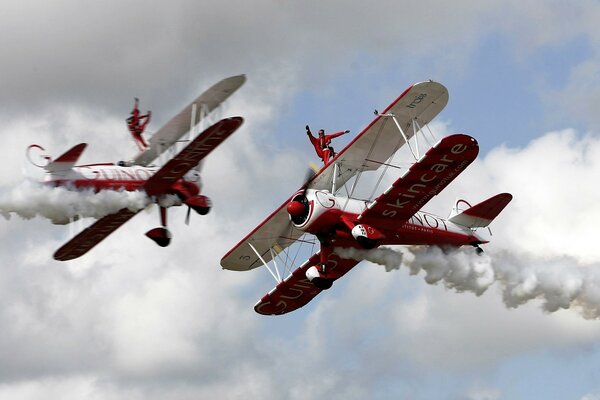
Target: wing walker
[[328, 208]]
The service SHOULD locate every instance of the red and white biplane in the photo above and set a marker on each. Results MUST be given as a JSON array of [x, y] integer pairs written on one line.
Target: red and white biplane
[[176, 183], [328, 208]]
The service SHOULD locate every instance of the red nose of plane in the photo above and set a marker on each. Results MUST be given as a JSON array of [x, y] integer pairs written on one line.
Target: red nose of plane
[[295, 208]]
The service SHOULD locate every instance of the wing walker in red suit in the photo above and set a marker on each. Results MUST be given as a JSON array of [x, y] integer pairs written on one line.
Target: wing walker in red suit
[[137, 123], [322, 144]]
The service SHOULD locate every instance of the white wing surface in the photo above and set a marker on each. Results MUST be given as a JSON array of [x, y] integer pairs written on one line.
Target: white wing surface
[[173, 130], [419, 103]]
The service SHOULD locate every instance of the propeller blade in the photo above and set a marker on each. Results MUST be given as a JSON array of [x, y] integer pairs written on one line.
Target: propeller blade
[[308, 177]]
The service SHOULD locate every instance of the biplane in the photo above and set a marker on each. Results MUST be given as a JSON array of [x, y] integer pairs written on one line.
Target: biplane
[[327, 208], [176, 183]]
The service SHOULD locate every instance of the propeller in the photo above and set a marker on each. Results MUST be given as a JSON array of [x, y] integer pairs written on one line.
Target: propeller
[[298, 207], [310, 174]]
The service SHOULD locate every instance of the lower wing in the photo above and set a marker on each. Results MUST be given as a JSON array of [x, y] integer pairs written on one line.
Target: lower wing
[[93, 235], [296, 290]]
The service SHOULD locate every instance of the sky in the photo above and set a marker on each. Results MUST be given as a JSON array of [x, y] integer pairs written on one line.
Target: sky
[[130, 320]]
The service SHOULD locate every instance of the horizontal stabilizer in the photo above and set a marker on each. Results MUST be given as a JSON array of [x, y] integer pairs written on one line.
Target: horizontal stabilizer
[[482, 214], [66, 161]]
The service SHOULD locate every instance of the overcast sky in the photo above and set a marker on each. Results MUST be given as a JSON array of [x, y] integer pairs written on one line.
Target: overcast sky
[[130, 320]]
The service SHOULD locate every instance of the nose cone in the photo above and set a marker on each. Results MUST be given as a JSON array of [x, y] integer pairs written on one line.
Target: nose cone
[[295, 209]]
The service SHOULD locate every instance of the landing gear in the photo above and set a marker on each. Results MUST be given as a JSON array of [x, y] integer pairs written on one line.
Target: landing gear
[[367, 236], [161, 236], [478, 249], [318, 277], [202, 210]]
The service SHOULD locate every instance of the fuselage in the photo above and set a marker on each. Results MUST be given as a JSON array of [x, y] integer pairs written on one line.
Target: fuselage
[[337, 217], [116, 177]]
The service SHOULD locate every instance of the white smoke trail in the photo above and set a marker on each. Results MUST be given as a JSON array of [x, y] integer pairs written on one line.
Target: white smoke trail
[[558, 283], [59, 204], [383, 256]]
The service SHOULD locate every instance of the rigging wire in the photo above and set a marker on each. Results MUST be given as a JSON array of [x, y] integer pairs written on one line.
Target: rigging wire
[[360, 170]]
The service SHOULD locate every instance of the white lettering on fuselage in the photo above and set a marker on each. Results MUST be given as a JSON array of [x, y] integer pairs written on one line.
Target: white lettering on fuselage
[[114, 173]]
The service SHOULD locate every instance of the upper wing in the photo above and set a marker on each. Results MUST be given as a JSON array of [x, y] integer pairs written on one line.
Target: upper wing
[[93, 235], [270, 237], [189, 157], [296, 290], [419, 103], [180, 123], [423, 180]]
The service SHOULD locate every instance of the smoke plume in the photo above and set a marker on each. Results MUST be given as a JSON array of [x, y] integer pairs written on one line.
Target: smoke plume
[[383, 256], [59, 204], [560, 283]]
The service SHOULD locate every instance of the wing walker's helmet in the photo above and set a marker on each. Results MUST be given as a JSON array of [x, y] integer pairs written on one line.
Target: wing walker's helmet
[[321, 132]]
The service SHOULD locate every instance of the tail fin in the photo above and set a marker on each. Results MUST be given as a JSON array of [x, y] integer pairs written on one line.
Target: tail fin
[[482, 214], [66, 161]]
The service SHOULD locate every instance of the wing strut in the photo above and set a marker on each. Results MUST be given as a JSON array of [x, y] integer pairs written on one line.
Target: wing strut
[[276, 277], [416, 129], [336, 169], [393, 116]]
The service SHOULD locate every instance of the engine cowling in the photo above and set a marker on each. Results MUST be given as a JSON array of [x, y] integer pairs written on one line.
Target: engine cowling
[[367, 236], [314, 210], [299, 209]]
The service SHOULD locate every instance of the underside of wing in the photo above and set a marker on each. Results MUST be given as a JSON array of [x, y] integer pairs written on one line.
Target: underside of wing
[[270, 238], [179, 125], [423, 180], [414, 108], [296, 290], [189, 157], [92, 235]]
